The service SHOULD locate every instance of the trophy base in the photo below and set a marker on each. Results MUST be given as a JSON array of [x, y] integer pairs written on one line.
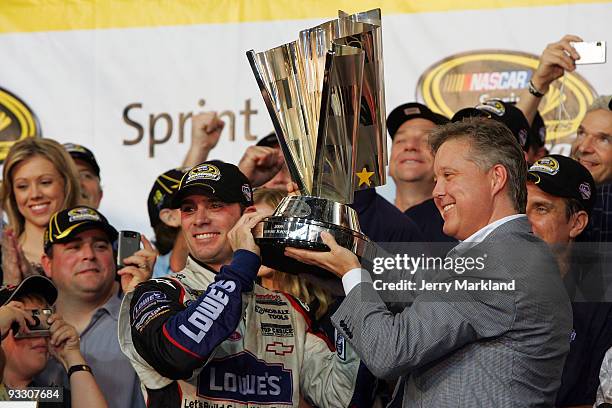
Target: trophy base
[[284, 229]]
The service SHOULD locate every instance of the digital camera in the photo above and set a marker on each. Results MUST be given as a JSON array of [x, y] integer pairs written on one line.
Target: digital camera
[[40, 328]]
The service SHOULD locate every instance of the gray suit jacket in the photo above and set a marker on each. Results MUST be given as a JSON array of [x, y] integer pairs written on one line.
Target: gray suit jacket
[[471, 348]]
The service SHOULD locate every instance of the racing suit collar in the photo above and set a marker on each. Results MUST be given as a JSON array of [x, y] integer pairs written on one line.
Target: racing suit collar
[[193, 260], [201, 274]]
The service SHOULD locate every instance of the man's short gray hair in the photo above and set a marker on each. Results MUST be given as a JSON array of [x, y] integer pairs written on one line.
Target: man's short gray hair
[[491, 143], [601, 102]]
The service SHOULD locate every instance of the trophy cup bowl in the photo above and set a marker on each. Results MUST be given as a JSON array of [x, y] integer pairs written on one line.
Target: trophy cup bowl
[[298, 222], [325, 96]]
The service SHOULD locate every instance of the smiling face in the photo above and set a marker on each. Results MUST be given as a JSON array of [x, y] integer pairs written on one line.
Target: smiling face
[[463, 193], [83, 267], [593, 145], [411, 158], [205, 222], [28, 356], [39, 190]]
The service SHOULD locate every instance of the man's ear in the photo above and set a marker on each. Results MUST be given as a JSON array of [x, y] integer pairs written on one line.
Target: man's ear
[[499, 179], [579, 222], [45, 261], [170, 217]]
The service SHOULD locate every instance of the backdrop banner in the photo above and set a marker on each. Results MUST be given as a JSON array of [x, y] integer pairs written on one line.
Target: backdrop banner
[[124, 78]]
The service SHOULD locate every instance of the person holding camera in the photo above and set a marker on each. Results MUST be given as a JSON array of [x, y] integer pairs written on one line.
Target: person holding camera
[[31, 332], [592, 147]]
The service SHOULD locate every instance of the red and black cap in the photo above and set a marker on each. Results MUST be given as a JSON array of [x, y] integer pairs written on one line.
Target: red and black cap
[[66, 224], [562, 176], [409, 111], [35, 284], [79, 152], [161, 193], [217, 179], [503, 112]]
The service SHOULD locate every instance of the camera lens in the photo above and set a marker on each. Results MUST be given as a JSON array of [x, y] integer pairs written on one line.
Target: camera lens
[[599, 43]]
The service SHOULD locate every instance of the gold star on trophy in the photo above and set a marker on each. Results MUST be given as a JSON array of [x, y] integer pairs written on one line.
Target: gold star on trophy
[[364, 177]]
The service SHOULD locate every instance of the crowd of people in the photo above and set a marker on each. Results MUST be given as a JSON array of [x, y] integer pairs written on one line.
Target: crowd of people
[[194, 319]]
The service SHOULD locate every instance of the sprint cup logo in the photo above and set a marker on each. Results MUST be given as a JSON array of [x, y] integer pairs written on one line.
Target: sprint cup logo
[[204, 172], [470, 78], [17, 121], [82, 213]]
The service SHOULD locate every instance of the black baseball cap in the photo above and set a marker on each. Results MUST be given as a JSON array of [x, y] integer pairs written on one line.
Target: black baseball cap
[[161, 193], [503, 112], [66, 224], [82, 153], [215, 178], [269, 140], [562, 176], [412, 110], [537, 134], [37, 284]]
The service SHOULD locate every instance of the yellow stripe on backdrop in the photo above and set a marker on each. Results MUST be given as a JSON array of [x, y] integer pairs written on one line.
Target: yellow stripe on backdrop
[[61, 15]]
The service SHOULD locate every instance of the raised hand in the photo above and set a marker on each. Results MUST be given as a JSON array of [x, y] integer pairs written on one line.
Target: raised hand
[[241, 236], [260, 164], [139, 267], [556, 58]]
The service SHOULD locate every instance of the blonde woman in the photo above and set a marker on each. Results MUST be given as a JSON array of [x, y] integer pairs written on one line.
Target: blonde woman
[[315, 296], [39, 179]]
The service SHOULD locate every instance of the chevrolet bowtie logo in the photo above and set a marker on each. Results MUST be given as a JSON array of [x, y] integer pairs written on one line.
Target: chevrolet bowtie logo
[[279, 348]]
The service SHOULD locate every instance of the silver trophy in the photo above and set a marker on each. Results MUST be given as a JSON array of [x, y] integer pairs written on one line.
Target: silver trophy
[[325, 95]]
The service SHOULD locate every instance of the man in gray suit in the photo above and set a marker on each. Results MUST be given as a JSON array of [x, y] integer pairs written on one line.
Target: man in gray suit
[[499, 335]]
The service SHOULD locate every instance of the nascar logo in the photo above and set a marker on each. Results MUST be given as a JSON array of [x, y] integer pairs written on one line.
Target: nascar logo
[[17, 121], [487, 81], [471, 78]]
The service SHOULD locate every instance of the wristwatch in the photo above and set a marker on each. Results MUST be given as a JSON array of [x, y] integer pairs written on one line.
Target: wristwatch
[[534, 91], [79, 367]]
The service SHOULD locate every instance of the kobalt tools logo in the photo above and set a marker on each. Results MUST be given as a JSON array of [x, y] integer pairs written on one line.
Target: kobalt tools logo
[[17, 121], [470, 78]]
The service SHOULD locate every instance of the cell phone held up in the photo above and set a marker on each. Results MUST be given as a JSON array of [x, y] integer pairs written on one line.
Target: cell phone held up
[[590, 52], [40, 328], [128, 244]]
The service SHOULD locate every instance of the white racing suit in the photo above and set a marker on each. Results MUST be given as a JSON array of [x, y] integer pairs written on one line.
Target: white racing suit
[[203, 339]]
